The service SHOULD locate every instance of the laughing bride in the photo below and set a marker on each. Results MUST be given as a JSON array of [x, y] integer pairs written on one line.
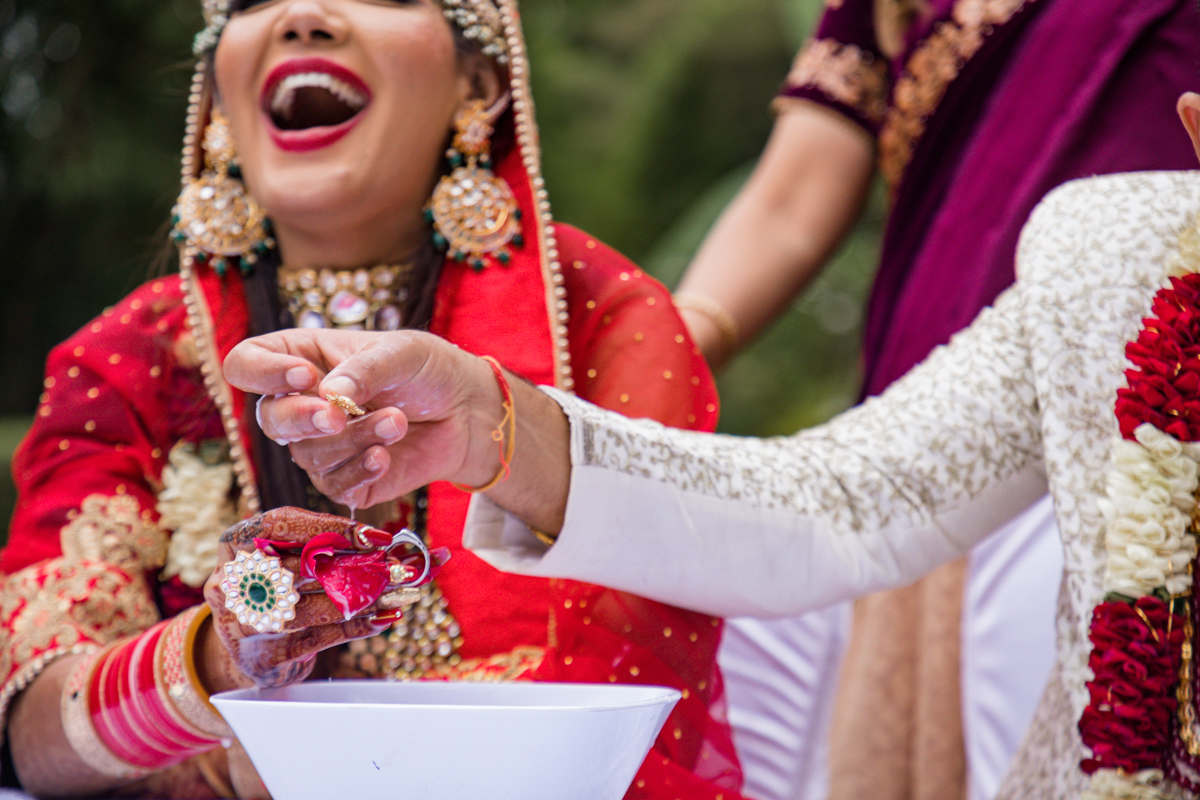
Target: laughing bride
[[350, 164]]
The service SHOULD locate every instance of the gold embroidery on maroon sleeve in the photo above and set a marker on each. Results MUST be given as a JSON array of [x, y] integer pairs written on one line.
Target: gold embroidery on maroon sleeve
[[930, 70], [845, 73]]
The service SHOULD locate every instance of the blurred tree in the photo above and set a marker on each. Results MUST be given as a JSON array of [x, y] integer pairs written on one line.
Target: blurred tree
[[652, 113]]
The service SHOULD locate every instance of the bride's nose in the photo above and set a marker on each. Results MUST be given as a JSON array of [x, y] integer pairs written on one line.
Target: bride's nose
[[311, 22]]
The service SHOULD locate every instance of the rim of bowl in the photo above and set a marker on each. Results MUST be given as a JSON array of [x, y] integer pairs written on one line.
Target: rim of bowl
[[253, 696]]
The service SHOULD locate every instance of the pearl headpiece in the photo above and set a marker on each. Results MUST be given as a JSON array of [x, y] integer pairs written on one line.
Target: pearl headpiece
[[479, 21]]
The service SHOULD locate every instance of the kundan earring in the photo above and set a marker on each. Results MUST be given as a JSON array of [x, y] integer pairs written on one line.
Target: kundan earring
[[215, 215], [473, 211]]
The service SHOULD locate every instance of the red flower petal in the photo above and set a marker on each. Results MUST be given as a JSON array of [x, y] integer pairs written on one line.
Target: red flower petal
[[351, 580]]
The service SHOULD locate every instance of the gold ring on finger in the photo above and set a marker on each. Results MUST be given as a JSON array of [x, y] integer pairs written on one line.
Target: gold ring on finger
[[345, 404]]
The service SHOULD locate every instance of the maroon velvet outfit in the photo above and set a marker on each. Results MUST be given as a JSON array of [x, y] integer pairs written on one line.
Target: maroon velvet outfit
[[977, 108]]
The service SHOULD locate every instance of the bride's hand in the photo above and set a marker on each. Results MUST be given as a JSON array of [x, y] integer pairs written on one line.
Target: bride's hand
[[240, 656], [439, 401]]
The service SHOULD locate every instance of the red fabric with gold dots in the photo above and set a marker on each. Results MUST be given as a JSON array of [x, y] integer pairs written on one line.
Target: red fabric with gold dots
[[119, 394], [630, 352], [125, 389]]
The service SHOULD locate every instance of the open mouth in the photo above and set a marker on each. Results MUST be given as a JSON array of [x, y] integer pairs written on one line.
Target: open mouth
[[314, 99]]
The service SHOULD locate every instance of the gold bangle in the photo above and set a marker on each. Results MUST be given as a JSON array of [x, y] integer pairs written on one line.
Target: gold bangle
[[175, 674], [77, 722], [543, 537], [713, 310]]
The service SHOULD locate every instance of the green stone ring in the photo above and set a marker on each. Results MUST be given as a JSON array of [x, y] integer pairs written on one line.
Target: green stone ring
[[260, 591]]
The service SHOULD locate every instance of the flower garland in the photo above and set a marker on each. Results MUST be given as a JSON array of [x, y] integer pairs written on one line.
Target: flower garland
[[195, 503], [1139, 718]]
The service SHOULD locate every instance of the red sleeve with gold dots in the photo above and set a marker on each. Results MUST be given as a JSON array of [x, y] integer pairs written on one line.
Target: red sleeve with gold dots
[[631, 353], [84, 536], [629, 348]]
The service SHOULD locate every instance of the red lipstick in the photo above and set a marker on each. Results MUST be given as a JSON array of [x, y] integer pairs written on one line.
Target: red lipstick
[[339, 81]]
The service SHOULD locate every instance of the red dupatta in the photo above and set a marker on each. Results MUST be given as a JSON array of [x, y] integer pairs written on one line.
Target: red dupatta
[[599, 313]]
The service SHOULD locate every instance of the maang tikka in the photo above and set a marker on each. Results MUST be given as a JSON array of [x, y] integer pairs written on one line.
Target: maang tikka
[[215, 216], [473, 211]]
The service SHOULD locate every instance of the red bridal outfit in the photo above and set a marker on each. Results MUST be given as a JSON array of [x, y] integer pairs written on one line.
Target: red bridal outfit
[[140, 456]]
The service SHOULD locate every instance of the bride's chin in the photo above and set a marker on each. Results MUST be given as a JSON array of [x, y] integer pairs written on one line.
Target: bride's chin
[[307, 198]]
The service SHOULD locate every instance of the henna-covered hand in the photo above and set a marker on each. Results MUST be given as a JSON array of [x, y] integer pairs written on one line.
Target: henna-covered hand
[[288, 656]]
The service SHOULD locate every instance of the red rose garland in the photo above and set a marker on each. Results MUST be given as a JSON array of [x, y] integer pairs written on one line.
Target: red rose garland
[[1164, 389], [1130, 723], [1129, 720]]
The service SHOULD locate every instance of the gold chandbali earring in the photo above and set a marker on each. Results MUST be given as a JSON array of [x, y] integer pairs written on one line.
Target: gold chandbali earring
[[473, 211], [215, 216]]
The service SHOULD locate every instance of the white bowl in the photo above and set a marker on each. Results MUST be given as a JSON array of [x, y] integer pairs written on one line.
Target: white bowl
[[447, 741]]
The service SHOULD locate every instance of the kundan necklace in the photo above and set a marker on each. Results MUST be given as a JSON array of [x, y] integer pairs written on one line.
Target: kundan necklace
[[353, 299]]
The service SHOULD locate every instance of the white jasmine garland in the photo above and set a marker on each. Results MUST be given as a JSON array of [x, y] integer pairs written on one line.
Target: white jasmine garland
[[1151, 486], [195, 503], [1110, 784], [1151, 489]]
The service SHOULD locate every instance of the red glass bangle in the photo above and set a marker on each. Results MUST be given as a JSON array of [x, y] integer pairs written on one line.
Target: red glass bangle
[[130, 707], [125, 714], [145, 709], [147, 696], [110, 724]]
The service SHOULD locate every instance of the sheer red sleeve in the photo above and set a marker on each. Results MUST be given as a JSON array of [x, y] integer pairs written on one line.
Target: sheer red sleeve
[[631, 353]]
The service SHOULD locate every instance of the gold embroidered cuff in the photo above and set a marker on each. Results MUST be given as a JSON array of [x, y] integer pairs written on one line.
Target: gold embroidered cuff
[[77, 723], [844, 73], [175, 673]]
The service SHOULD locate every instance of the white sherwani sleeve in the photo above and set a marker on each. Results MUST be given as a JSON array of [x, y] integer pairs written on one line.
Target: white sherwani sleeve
[[768, 527]]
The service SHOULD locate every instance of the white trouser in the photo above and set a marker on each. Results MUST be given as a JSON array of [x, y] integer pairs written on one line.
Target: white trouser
[[781, 675]]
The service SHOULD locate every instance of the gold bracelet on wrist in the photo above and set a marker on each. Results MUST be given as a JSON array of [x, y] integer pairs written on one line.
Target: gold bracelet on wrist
[[545, 538], [715, 313], [175, 667]]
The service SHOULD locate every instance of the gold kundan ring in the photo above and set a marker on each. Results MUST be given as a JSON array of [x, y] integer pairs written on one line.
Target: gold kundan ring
[[345, 404], [260, 591]]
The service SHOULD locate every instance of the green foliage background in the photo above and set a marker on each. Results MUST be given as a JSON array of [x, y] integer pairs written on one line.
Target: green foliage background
[[652, 114]]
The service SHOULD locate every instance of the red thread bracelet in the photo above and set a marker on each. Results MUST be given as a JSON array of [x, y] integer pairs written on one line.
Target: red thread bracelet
[[509, 422]]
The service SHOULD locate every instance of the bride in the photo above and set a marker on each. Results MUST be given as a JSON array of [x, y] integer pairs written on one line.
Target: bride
[[350, 165]]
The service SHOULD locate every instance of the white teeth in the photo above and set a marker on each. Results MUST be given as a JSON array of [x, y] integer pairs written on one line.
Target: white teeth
[[285, 91]]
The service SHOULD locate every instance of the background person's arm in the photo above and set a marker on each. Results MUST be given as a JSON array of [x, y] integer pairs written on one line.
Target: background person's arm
[[803, 197]]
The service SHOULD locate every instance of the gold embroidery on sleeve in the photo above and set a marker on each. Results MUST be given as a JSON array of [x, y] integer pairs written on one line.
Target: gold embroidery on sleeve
[[60, 607], [113, 530], [95, 593], [930, 70], [845, 73]]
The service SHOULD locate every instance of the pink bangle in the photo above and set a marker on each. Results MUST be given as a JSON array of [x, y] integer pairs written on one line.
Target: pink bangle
[[119, 718], [78, 727], [136, 707], [159, 717]]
